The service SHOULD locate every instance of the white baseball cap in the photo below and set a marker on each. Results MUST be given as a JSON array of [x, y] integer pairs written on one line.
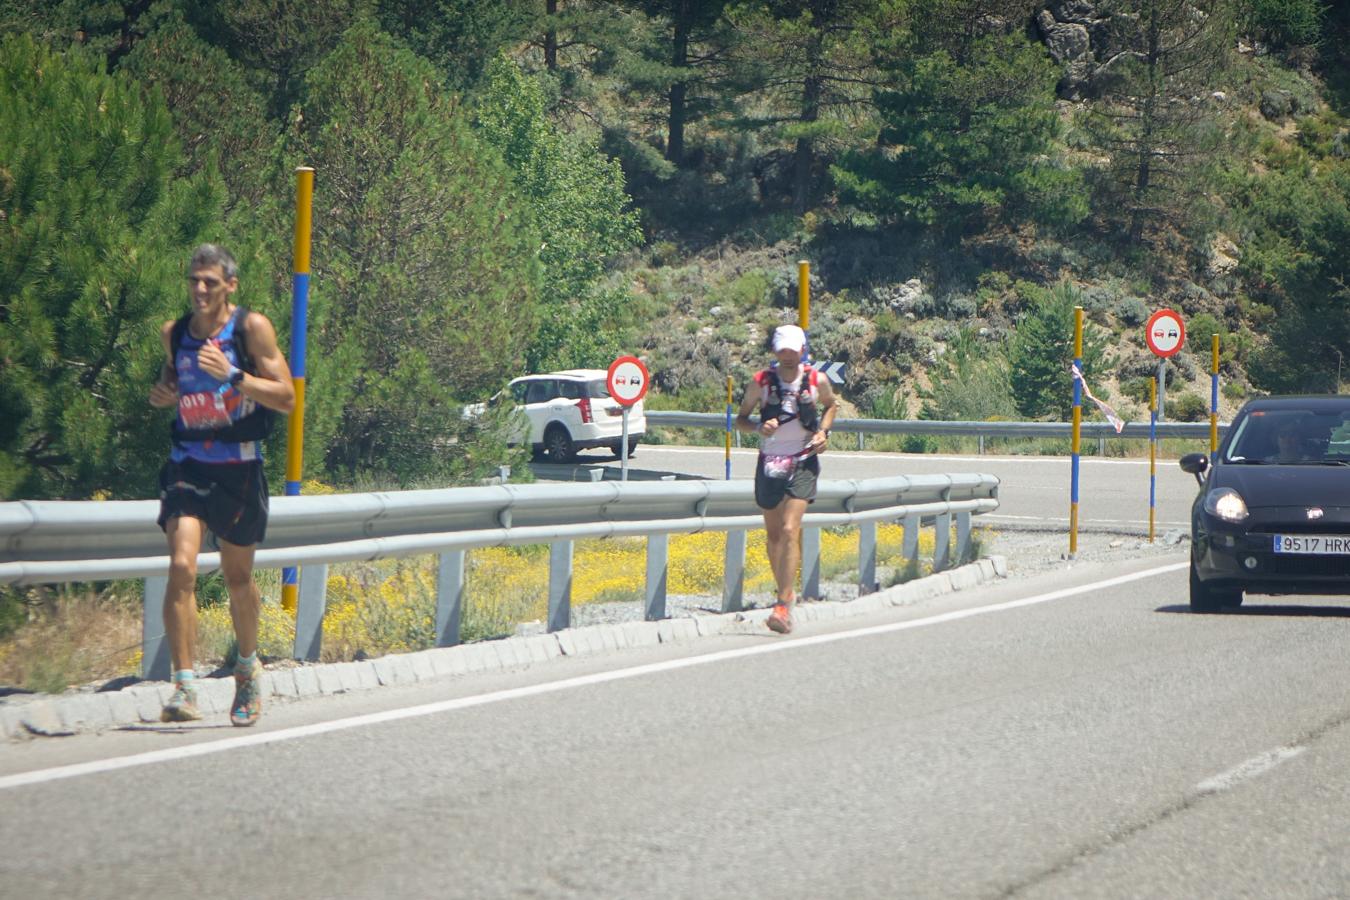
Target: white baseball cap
[[789, 337]]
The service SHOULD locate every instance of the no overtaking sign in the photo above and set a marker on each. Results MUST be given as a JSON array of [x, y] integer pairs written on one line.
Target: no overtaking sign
[[1165, 333], [627, 380]]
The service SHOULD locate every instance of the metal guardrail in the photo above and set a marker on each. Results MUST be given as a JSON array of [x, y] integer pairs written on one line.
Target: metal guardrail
[[49, 542], [1098, 430]]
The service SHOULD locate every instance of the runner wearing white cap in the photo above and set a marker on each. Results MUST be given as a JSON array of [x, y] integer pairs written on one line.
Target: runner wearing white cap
[[797, 408]]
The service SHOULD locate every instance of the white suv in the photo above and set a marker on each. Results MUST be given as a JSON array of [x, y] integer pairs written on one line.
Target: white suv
[[572, 410]]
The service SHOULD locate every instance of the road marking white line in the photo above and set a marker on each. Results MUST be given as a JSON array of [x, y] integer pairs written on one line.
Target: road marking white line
[[256, 739], [1245, 771], [862, 454]]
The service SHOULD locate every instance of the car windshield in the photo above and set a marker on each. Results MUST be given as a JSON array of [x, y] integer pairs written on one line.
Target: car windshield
[[1292, 435]]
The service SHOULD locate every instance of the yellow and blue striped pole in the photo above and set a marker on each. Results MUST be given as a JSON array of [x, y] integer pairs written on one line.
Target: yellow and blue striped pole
[[804, 305], [1077, 428], [295, 432], [1214, 398], [804, 294], [729, 426]]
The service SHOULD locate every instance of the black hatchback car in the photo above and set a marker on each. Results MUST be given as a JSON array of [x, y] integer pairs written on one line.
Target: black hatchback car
[[1273, 512]]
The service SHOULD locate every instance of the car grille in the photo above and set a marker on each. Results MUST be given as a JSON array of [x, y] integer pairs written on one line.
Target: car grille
[[1281, 564], [1312, 526]]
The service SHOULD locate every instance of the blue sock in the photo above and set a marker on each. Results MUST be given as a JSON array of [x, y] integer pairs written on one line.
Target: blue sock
[[184, 677], [245, 663]]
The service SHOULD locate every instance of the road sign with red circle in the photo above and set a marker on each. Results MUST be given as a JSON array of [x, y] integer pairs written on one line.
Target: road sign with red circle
[[1165, 333], [627, 380]]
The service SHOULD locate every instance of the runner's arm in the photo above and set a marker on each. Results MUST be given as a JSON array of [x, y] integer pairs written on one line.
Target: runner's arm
[[272, 385], [164, 392], [829, 407], [748, 403]]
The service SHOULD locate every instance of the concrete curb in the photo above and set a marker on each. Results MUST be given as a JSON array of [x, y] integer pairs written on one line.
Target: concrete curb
[[68, 714]]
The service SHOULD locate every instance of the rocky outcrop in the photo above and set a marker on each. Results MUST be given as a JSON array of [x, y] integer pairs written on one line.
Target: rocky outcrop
[[1066, 41]]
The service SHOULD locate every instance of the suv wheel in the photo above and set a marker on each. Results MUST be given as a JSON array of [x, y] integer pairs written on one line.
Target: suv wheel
[[1209, 600], [617, 448], [558, 446]]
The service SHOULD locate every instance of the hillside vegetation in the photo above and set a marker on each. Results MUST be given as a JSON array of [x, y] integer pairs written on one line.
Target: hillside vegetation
[[519, 185]]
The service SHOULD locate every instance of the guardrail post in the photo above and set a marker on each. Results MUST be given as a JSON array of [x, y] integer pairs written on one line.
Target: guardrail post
[[981, 445], [559, 585], [733, 574], [658, 554], [449, 598], [910, 542], [867, 557], [962, 538], [860, 440], [942, 542], [1101, 446], [155, 662], [811, 562], [309, 611]]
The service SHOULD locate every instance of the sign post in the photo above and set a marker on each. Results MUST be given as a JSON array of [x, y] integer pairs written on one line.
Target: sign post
[[627, 382], [1165, 335]]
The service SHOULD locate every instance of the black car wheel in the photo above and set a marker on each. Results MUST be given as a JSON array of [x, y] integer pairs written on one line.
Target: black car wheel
[[1208, 600], [558, 446], [617, 448]]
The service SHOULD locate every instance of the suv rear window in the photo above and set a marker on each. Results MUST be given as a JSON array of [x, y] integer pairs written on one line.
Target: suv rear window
[[597, 390]]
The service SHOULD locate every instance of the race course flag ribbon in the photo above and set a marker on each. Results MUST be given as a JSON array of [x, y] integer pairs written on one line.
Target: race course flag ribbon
[[1116, 421]]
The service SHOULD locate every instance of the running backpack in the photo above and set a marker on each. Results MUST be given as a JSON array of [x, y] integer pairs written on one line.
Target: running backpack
[[806, 406]]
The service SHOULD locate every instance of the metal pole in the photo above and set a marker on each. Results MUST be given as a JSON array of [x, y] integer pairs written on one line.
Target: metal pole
[[295, 428], [623, 447], [1152, 454], [729, 429], [155, 664], [1214, 399], [1077, 429], [1162, 390]]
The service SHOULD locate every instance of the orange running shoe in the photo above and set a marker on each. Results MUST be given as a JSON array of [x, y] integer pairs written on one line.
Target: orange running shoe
[[780, 620]]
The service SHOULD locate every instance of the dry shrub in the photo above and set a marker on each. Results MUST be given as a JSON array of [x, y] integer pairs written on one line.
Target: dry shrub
[[72, 639]]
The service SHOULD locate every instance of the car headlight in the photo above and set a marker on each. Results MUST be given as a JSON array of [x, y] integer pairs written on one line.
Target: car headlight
[[1226, 504]]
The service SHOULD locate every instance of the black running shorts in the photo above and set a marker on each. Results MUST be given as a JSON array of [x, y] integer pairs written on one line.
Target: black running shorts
[[769, 492], [231, 498]]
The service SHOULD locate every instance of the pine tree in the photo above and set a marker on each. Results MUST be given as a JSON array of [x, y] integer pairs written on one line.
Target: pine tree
[[576, 195], [967, 122], [813, 63], [1151, 117], [426, 272], [1041, 353], [94, 235]]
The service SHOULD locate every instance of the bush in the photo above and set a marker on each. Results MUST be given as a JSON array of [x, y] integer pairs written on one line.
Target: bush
[[1187, 407], [1131, 311], [1137, 389]]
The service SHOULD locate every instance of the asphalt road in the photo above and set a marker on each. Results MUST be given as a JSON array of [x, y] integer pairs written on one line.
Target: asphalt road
[[1113, 493], [1071, 735]]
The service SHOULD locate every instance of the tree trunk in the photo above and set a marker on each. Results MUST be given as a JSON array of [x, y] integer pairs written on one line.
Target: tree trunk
[[678, 89], [1148, 116], [551, 37], [804, 155]]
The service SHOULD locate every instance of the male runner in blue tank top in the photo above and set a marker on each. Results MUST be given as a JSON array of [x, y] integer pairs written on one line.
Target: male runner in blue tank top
[[214, 477]]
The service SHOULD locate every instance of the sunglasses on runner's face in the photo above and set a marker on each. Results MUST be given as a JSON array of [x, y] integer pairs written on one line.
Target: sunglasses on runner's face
[[211, 283]]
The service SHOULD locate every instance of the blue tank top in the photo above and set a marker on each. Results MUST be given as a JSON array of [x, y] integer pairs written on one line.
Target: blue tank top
[[205, 402]]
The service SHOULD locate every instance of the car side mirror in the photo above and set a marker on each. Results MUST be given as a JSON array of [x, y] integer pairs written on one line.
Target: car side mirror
[[1196, 464]]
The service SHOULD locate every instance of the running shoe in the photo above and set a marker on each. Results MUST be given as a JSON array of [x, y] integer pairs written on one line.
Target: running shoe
[[182, 706], [780, 620], [247, 705]]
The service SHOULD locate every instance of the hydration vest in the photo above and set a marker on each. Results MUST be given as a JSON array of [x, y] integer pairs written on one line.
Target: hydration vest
[[772, 408], [253, 427]]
